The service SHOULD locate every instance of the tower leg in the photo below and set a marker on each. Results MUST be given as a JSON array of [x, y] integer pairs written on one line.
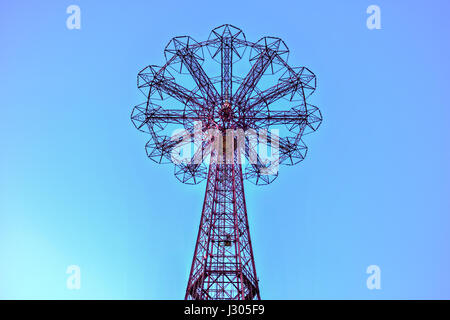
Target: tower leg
[[223, 267]]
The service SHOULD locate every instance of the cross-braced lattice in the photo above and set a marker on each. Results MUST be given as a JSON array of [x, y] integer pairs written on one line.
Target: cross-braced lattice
[[207, 98]]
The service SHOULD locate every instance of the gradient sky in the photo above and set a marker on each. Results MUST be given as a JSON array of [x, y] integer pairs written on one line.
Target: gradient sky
[[76, 187]]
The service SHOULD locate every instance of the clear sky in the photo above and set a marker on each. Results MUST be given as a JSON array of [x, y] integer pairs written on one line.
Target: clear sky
[[76, 187]]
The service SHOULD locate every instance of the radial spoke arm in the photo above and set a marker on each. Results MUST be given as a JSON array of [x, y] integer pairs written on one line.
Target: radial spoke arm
[[273, 94], [227, 69], [198, 74], [180, 93], [150, 80], [247, 86], [292, 117], [298, 81], [143, 116]]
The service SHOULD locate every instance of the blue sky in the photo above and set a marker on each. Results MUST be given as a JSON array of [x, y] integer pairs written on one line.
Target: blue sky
[[76, 187]]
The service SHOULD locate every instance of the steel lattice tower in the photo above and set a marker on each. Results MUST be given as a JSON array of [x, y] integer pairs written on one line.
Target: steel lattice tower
[[226, 119]]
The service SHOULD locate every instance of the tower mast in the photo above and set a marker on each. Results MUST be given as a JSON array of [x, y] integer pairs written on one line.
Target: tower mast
[[223, 267]]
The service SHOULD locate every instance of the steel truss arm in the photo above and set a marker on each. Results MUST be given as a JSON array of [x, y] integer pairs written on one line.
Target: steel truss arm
[[308, 117], [250, 81], [301, 81], [153, 78], [185, 49], [143, 115], [227, 69], [198, 74]]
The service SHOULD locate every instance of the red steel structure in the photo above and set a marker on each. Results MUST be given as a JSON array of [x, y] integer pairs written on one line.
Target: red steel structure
[[180, 94]]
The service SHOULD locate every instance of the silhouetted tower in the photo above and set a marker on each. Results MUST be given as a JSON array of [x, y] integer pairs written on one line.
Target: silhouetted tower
[[227, 121]]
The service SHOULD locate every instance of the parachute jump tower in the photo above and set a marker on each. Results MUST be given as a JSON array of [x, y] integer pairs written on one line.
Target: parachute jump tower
[[208, 89]]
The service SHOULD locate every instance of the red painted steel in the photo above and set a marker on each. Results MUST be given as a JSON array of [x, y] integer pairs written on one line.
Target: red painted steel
[[223, 266]]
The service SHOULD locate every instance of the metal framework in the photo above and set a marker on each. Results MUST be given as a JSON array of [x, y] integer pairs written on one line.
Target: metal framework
[[269, 95]]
